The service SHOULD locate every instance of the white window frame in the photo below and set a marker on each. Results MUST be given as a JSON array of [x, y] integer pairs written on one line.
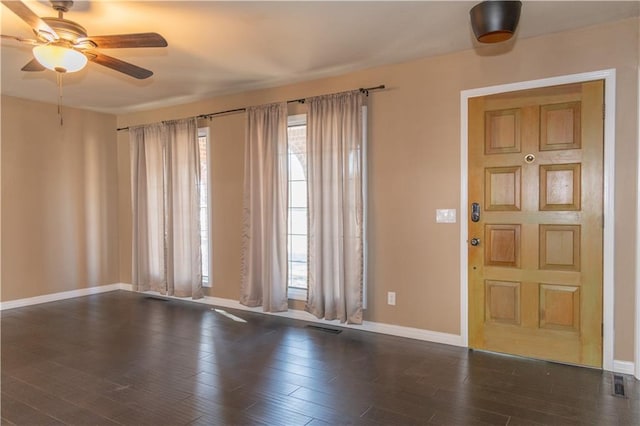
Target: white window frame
[[365, 208], [204, 132], [296, 293]]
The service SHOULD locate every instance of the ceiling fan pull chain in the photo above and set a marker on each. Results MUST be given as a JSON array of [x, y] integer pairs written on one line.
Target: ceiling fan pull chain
[[59, 81]]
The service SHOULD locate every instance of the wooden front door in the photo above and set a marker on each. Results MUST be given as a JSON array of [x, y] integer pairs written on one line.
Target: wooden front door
[[535, 247]]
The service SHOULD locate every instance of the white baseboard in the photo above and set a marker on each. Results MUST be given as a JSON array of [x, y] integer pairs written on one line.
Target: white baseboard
[[19, 303], [624, 367], [394, 330]]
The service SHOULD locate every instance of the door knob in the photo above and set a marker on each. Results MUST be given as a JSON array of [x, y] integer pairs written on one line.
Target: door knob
[[475, 241]]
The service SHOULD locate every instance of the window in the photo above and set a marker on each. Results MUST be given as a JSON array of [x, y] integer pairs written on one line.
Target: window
[[297, 221], [297, 210], [365, 201], [203, 144]]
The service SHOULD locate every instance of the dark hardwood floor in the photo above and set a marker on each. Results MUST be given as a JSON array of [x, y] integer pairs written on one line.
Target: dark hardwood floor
[[125, 358]]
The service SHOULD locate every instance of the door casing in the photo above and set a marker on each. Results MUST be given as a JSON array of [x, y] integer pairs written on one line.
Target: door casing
[[609, 77]]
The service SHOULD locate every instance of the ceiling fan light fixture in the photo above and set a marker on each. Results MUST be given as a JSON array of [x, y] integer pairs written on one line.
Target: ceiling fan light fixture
[[495, 21], [59, 57]]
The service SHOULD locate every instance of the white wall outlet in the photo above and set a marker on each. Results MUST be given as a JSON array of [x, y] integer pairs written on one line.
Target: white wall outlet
[[445, 215], [391, 298]]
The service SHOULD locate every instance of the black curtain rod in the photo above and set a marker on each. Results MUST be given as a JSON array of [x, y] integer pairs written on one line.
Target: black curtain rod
[[364, 90]]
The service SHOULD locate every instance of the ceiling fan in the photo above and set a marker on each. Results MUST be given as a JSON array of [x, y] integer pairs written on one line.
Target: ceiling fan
[[63, 46]]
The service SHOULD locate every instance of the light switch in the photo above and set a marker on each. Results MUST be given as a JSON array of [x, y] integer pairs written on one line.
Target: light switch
[[446, 215]]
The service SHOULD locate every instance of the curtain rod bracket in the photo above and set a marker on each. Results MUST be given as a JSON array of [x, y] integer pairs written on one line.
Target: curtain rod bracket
[[366, 90]]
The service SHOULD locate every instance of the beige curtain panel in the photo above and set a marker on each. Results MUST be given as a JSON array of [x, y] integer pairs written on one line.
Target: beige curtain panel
[[165, 172], [334, 150], [147, 198], [264, 238]]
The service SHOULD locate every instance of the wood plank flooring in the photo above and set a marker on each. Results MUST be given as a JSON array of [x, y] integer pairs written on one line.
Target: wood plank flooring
[[128, 359]]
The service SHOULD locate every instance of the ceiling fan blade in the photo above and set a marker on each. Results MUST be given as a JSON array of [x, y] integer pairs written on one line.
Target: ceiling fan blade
[[33, 66], [118, 65], [41, 28], [21, 40], [129, 40]]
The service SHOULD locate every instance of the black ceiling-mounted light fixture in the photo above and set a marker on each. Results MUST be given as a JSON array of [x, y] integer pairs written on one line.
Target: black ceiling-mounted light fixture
[[495, 21]]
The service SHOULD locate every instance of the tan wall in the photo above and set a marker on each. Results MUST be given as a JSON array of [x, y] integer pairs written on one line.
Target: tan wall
[[59, 199], [414, 166], [65, 190]]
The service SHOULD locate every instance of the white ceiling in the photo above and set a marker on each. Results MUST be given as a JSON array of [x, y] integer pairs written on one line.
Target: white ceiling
[[225, 47]]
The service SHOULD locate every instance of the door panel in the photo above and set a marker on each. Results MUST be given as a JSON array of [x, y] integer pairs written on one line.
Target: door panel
[[502, 131], [560, 247], [535, 277], [502, 188], [560, 187], [502, 247], [502, 302], [561, 125]]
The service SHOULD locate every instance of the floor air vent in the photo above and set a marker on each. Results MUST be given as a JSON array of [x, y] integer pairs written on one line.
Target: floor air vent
[[325, 329], [618, 386]]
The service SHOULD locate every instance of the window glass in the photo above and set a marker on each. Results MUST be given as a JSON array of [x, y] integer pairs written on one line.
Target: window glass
[[298, 213], [204, 204]]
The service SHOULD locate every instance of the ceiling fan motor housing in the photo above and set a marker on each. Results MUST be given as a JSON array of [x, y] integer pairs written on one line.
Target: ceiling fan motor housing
[[67, 30]]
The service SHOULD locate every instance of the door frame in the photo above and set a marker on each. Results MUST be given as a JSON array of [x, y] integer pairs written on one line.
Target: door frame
[[609, 77], [636, 373]]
